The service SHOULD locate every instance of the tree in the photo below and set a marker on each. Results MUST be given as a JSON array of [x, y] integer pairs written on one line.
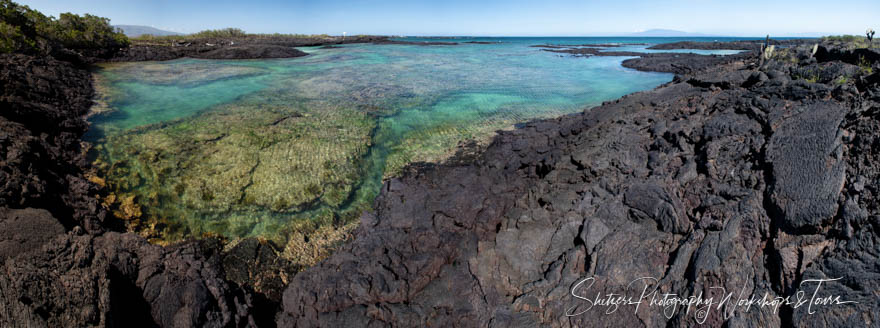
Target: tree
[[26, 30], [86, 32], [19, 27]]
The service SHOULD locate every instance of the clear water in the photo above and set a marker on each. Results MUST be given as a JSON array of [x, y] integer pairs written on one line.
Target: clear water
[[420, 101]]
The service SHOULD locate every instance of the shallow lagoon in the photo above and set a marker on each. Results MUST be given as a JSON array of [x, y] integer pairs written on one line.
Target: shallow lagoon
[[273, 147]]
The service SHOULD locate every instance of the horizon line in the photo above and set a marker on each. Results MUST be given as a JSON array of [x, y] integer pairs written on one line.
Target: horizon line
[[590, 36]]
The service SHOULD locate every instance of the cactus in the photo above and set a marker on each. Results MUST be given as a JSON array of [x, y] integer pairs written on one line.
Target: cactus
[[870, 34], [813, 51], [766, 52]]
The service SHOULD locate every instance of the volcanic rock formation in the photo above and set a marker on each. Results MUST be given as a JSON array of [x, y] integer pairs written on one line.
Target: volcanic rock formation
[[758, 181]]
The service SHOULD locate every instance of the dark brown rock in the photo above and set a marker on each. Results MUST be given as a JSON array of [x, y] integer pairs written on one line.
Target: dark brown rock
[[42, 105], [808, 166], [26, 230], [252, 52], [119, 280], [253, 47], [754, 45], [678, 63], [61, 268]]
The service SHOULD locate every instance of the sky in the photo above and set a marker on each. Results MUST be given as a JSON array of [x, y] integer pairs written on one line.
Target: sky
[[486, 17]]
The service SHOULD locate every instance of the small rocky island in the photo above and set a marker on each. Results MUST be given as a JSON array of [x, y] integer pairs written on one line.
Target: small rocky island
[[753, 174]]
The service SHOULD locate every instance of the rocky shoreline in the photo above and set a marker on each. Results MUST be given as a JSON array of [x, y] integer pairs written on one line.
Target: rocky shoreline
[[753, 45], [261, 47], [678, 63], [733, 175], [245, 48]]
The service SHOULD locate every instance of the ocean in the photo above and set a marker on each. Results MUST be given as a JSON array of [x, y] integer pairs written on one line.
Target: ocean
[[263, 147]]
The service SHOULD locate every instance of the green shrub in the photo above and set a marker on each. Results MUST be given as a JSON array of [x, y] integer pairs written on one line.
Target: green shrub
[[25, 30], [865, 66], [11, 39], [20, 27], [843, 38], [158, 38], [853, 41], [229, 32], [220, 34], [86, 32]]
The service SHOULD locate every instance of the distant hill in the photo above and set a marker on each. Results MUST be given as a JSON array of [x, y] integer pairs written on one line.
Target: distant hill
[[138, 30], [662, 32]]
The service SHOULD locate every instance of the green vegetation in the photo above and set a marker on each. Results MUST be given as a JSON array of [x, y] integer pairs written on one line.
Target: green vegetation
[[226, 33], [86, 32], [21, 28], [842, 38], [12, 39], [25, 30], [853, 41], [229, 32], [149, 38], [865, 66]]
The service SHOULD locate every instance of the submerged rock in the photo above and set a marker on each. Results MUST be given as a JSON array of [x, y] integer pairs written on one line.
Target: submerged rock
[[249, 164]]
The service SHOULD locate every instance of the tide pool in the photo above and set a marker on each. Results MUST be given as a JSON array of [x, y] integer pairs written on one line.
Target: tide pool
[[271, 147]]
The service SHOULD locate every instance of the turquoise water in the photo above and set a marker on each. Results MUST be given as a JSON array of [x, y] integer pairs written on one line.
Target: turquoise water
[[509, 67], [421, 100]]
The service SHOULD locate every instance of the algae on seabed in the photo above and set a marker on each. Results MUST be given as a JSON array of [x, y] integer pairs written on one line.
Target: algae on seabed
[[295, 150], [237, 169]]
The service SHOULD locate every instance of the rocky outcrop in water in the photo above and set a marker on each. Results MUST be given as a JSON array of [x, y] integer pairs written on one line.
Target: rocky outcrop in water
[[254, 47], [145, 53], [678, 63], [754, 45], [757, 182]]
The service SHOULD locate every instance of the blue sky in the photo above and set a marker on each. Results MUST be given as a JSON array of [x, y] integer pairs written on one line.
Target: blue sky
[[486, 17]]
